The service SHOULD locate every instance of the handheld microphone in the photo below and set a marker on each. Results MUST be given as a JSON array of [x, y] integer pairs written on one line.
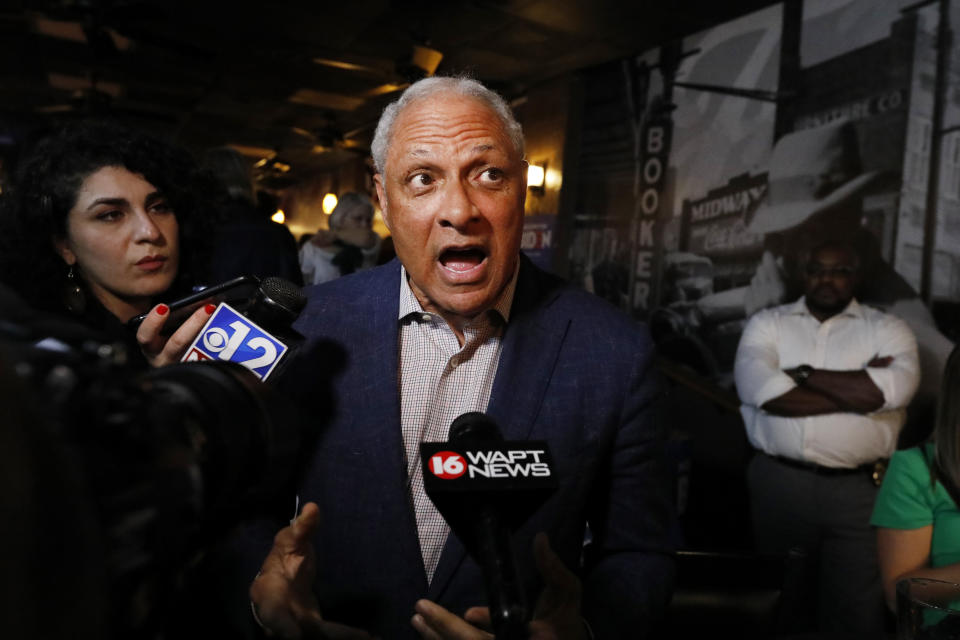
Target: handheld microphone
[[485, 488], [255, 333], [236, 291]]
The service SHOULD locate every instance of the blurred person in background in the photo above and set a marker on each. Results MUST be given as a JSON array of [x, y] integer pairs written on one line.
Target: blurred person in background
[[349, 245], [245, 240], [824, 383], [816, 190]]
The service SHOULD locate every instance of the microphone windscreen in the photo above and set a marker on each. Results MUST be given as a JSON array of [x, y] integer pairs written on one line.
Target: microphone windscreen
[[283, 293], [474, 428]]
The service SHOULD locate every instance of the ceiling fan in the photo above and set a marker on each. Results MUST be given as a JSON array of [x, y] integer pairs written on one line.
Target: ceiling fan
[[110, 27], [422, 62], [326, 139], [89, 95], [297, 142]]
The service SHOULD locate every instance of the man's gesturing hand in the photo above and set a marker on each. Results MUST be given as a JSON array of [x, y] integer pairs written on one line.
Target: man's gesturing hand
[[282, 594]]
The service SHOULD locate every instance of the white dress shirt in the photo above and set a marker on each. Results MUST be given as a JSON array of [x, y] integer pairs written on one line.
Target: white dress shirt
[[789, 335], [439, 381]]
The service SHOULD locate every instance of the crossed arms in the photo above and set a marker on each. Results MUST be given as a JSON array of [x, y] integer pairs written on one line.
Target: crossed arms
[[887, 379], [828, 391]]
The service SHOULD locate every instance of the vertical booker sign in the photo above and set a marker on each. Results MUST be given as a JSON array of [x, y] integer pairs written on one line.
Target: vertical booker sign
[[652, 212]]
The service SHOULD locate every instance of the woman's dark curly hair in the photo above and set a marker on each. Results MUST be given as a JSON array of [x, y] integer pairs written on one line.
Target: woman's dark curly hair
[[34, 210]]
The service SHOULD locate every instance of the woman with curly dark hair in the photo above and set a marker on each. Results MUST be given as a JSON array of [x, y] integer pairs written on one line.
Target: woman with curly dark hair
[[100, 222]]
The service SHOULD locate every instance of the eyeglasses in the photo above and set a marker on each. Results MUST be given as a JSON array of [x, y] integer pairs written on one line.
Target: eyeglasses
[[819, 271]]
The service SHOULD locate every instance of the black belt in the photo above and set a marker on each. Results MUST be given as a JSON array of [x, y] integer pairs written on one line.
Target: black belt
[[873, 469]]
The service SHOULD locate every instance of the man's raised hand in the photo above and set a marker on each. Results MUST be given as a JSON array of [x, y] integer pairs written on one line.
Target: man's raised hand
[[282, 593]]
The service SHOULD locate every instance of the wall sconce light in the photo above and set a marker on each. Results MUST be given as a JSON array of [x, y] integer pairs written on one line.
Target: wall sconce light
[[329, 203], [279, 216], [536, 176]]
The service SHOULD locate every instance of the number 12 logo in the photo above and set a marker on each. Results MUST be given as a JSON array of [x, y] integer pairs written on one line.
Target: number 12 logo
[[231, 337], [217, 341]]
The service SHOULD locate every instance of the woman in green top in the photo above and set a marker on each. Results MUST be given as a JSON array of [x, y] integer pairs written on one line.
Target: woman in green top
[[916, 515]]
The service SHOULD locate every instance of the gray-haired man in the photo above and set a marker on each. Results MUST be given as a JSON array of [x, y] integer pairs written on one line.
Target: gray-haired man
[[462, 322]]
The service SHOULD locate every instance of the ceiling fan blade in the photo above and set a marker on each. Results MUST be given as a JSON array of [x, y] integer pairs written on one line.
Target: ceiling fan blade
[[325, 100], [426, 58], [100, 36], [422, 62], [66, 82], [55, 108], [369, 66], [347, 143], [356, 132], [384, 89]]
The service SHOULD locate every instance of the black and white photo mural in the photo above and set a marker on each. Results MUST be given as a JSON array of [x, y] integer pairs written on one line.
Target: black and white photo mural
[[709, 166]]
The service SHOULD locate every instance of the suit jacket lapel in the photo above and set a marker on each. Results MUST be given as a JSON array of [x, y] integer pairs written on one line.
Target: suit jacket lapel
[[531, 344], [383, 400], [378, 393]]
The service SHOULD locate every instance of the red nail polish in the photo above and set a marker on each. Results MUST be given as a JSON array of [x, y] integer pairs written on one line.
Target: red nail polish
[[209, 308], [162, 309]]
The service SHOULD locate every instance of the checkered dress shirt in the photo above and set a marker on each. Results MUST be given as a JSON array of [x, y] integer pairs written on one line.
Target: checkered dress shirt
[[439, 381]]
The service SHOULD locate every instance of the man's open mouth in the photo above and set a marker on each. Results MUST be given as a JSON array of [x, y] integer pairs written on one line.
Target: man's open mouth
[[462, 260]]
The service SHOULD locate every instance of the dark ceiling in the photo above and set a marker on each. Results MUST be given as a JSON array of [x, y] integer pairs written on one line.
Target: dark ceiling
[[302, 81]]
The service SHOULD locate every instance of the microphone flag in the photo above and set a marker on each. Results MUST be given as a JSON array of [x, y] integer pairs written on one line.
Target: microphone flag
[[232, 337]]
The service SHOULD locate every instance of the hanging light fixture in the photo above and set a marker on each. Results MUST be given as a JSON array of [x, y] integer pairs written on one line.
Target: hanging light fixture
[[536, 174], [329, 203]]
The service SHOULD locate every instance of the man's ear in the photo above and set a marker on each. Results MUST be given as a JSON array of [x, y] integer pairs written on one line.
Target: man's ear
[[382, 199], [62, 247]]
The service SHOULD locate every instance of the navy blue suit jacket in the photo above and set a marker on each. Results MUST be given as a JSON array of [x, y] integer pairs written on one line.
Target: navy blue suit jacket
[[574, 371]]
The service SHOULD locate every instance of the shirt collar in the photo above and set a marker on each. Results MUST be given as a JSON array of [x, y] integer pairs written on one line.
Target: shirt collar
[[800, 307], [409, 303]]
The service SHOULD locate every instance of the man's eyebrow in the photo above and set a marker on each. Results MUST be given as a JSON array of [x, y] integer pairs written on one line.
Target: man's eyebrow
[[420, 152]]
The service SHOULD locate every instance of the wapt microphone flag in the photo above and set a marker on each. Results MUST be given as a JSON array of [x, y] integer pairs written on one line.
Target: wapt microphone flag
[[230, 336], [516, 476]]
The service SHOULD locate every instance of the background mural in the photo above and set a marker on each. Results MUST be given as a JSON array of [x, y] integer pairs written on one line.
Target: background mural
[[692, 221], [709, 165]]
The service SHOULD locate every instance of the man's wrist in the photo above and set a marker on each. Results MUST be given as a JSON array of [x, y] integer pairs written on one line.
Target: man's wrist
[[801, 374]]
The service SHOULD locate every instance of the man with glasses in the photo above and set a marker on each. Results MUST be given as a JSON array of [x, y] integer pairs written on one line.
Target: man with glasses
[[824, 383]]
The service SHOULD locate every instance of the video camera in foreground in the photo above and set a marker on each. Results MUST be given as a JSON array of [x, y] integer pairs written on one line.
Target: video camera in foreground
[[117, 479]]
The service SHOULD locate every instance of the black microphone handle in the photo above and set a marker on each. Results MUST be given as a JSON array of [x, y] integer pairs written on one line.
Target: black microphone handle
[[508, 608]]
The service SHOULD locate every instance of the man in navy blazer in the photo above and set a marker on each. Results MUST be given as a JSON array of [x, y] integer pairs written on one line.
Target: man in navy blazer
[[569, 369]]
